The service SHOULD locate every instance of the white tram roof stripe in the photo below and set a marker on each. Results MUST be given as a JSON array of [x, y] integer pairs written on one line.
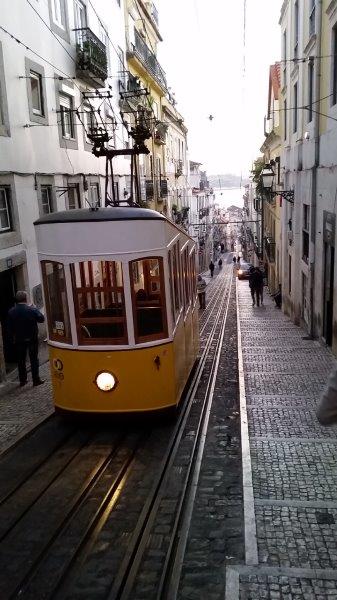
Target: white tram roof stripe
[[120, 213]]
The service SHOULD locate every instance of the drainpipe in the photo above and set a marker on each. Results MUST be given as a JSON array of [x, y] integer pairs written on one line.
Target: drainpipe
[[316, 165]]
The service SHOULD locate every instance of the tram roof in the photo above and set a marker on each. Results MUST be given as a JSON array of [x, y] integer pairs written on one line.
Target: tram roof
[[120, 213]]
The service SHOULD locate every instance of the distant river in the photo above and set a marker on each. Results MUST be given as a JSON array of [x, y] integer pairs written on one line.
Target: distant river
[[225, 197]]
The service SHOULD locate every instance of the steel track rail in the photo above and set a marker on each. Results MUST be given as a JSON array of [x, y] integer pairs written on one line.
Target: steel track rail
[[170, 579], [123, 584], [83, 494]]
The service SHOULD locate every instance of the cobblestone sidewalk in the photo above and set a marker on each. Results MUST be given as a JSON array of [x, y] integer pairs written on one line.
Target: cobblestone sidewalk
[[21, 409], [293, 462]]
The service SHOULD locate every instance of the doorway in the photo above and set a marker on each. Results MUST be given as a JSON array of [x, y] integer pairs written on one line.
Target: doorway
[[8, 287], [329, 267]]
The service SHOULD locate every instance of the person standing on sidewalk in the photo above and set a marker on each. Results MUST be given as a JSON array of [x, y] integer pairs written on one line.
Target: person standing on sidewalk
[[201, 289], [256, 285], [22, 322], [259, 285], [211, 267]]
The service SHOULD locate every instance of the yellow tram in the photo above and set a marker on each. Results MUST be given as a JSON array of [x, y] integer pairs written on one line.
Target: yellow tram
[[120, 295]]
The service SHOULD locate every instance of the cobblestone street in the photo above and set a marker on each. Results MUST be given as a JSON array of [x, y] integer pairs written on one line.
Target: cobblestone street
[[293, 503]]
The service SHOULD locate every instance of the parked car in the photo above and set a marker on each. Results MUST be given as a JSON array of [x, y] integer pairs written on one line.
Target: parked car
[[244, 270]]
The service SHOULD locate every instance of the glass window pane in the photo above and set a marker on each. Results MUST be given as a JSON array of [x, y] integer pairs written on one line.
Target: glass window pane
[[148, 294], [56, 301], [99, 302], [36, 91], [5, 222]]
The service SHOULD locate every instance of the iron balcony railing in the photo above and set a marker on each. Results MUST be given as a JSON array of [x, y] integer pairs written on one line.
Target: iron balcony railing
[[149, 60], [91, 58]]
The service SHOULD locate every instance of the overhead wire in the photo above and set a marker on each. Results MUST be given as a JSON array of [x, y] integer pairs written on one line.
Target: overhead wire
[[46, 60]]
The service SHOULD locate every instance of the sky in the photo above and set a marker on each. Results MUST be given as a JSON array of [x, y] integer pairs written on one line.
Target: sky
[[203, 56]]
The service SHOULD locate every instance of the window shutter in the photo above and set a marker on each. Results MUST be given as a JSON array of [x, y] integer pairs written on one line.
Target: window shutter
[[65, 101]]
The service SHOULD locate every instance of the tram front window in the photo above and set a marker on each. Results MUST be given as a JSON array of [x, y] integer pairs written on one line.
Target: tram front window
[[56, 301], [148, 299], [99, 302]]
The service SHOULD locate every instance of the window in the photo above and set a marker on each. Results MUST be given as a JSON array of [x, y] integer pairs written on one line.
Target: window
[[90, 123], [193, 273], [99, 302], [67, 117], [148, 299], [284, 53], [55, 290], [296, 28], [310, 89], [295, 109], [334, 65], [36, 93], [285, 120], [80, 15], [305, 232], [5, 215], [176, 278], [59, 13], [312, 17], [73, 197], [94, 194], [46, 199], [186, 279]]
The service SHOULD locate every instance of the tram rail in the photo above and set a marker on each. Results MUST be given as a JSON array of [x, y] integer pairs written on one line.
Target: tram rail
[[123, 585]]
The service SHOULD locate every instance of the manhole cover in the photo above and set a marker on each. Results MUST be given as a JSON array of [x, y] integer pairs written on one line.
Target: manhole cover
[[324, 518]]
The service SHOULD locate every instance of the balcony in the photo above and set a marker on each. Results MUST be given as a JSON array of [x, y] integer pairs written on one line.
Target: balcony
[[148, 59], [91, 58]]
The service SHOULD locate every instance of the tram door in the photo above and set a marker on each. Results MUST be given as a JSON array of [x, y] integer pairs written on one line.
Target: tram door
[[8, 288]]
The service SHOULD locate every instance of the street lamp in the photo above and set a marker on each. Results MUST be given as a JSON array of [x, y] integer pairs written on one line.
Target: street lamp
[[268, 176]]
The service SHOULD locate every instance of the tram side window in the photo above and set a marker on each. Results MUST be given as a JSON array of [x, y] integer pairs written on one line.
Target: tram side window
[[171, 287], [193, 274], [186, 278], [99, 302], [56, 301], [176, 279], [148, 299]]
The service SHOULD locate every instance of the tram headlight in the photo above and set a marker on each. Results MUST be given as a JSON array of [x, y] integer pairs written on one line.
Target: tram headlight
[[105, 381], [240, 271]]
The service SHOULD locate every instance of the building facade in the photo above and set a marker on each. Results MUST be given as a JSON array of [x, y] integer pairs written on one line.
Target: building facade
[[309, 163], [144, 84], [271, 206]]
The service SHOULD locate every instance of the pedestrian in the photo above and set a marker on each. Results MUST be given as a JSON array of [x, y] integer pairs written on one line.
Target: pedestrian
[[256, 285], [201, 289], [260, 284], [23, 328], [234, 260], [327, 408], [222, 248], [278, 297], [238, 260], [220, 264], [211, 267]]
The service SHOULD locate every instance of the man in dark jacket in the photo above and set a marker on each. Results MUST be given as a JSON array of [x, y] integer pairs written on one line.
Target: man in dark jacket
[[256, 285], [22, 322]]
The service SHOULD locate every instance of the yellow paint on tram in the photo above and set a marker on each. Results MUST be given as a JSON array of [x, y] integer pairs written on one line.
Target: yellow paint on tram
[[147, 378]]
